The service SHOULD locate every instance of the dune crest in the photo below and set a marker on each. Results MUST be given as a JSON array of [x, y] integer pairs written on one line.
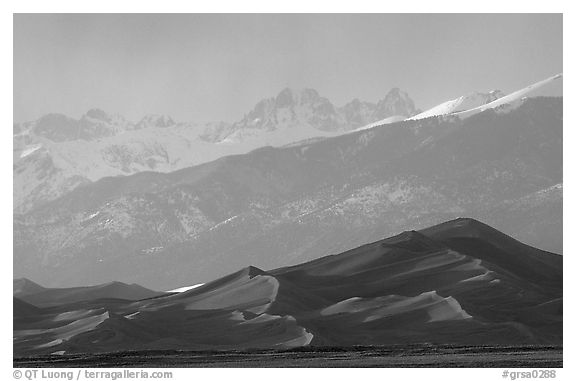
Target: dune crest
[[458, 282]]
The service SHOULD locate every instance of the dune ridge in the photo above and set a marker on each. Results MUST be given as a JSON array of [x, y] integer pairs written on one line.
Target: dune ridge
[[460, 282]]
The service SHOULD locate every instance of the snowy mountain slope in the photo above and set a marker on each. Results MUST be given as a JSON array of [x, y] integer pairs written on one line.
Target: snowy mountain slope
[[509, 99], [474, 103], [462, 103], [389, 120], [279, 206], [56, 153], [465, 105], [47, 169]]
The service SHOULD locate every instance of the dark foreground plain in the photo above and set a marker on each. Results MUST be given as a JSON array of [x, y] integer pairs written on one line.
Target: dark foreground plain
[[413, 356]]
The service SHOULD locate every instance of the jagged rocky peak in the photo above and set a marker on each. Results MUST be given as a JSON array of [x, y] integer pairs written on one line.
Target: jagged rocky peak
[[353, 103], [289, 97], [396, 102], [357, 113], [285, 98], [305, 105], [155, 120], [100, 117], [309, 95], [53, 118], [97, 114], [94, 124], [493, 95], [56, 127]]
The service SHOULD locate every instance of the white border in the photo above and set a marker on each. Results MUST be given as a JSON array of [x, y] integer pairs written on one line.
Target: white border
[[308, 6]]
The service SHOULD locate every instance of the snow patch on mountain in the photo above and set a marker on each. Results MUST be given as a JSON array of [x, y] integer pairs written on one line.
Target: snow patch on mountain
[[474, 103], [55, 154], [30, 150], [513, 99], [462, 103]]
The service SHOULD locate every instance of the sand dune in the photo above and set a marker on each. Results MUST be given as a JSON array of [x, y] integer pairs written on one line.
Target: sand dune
[[22, 309], [436, 307], [460, 282], [252, 294], [25, 286]]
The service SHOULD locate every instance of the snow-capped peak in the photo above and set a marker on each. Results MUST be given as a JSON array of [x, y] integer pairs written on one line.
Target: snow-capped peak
[[112, 122], [289, 97], [474, 103], [462, 103], [510, 99]]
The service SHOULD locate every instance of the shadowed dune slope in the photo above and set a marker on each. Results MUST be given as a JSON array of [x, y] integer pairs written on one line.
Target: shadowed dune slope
[[460, 282], [23, 309], [25, 286]]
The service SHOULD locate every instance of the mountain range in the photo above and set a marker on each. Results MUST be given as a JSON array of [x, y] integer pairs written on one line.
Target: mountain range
[[278, 206], [459, 282], [55, 154]]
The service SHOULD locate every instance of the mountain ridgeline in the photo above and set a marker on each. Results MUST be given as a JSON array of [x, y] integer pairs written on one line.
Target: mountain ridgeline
[[279, 206], [56, 153]]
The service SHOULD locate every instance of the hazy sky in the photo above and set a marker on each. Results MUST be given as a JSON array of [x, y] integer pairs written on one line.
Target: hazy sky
[[216, 67]]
